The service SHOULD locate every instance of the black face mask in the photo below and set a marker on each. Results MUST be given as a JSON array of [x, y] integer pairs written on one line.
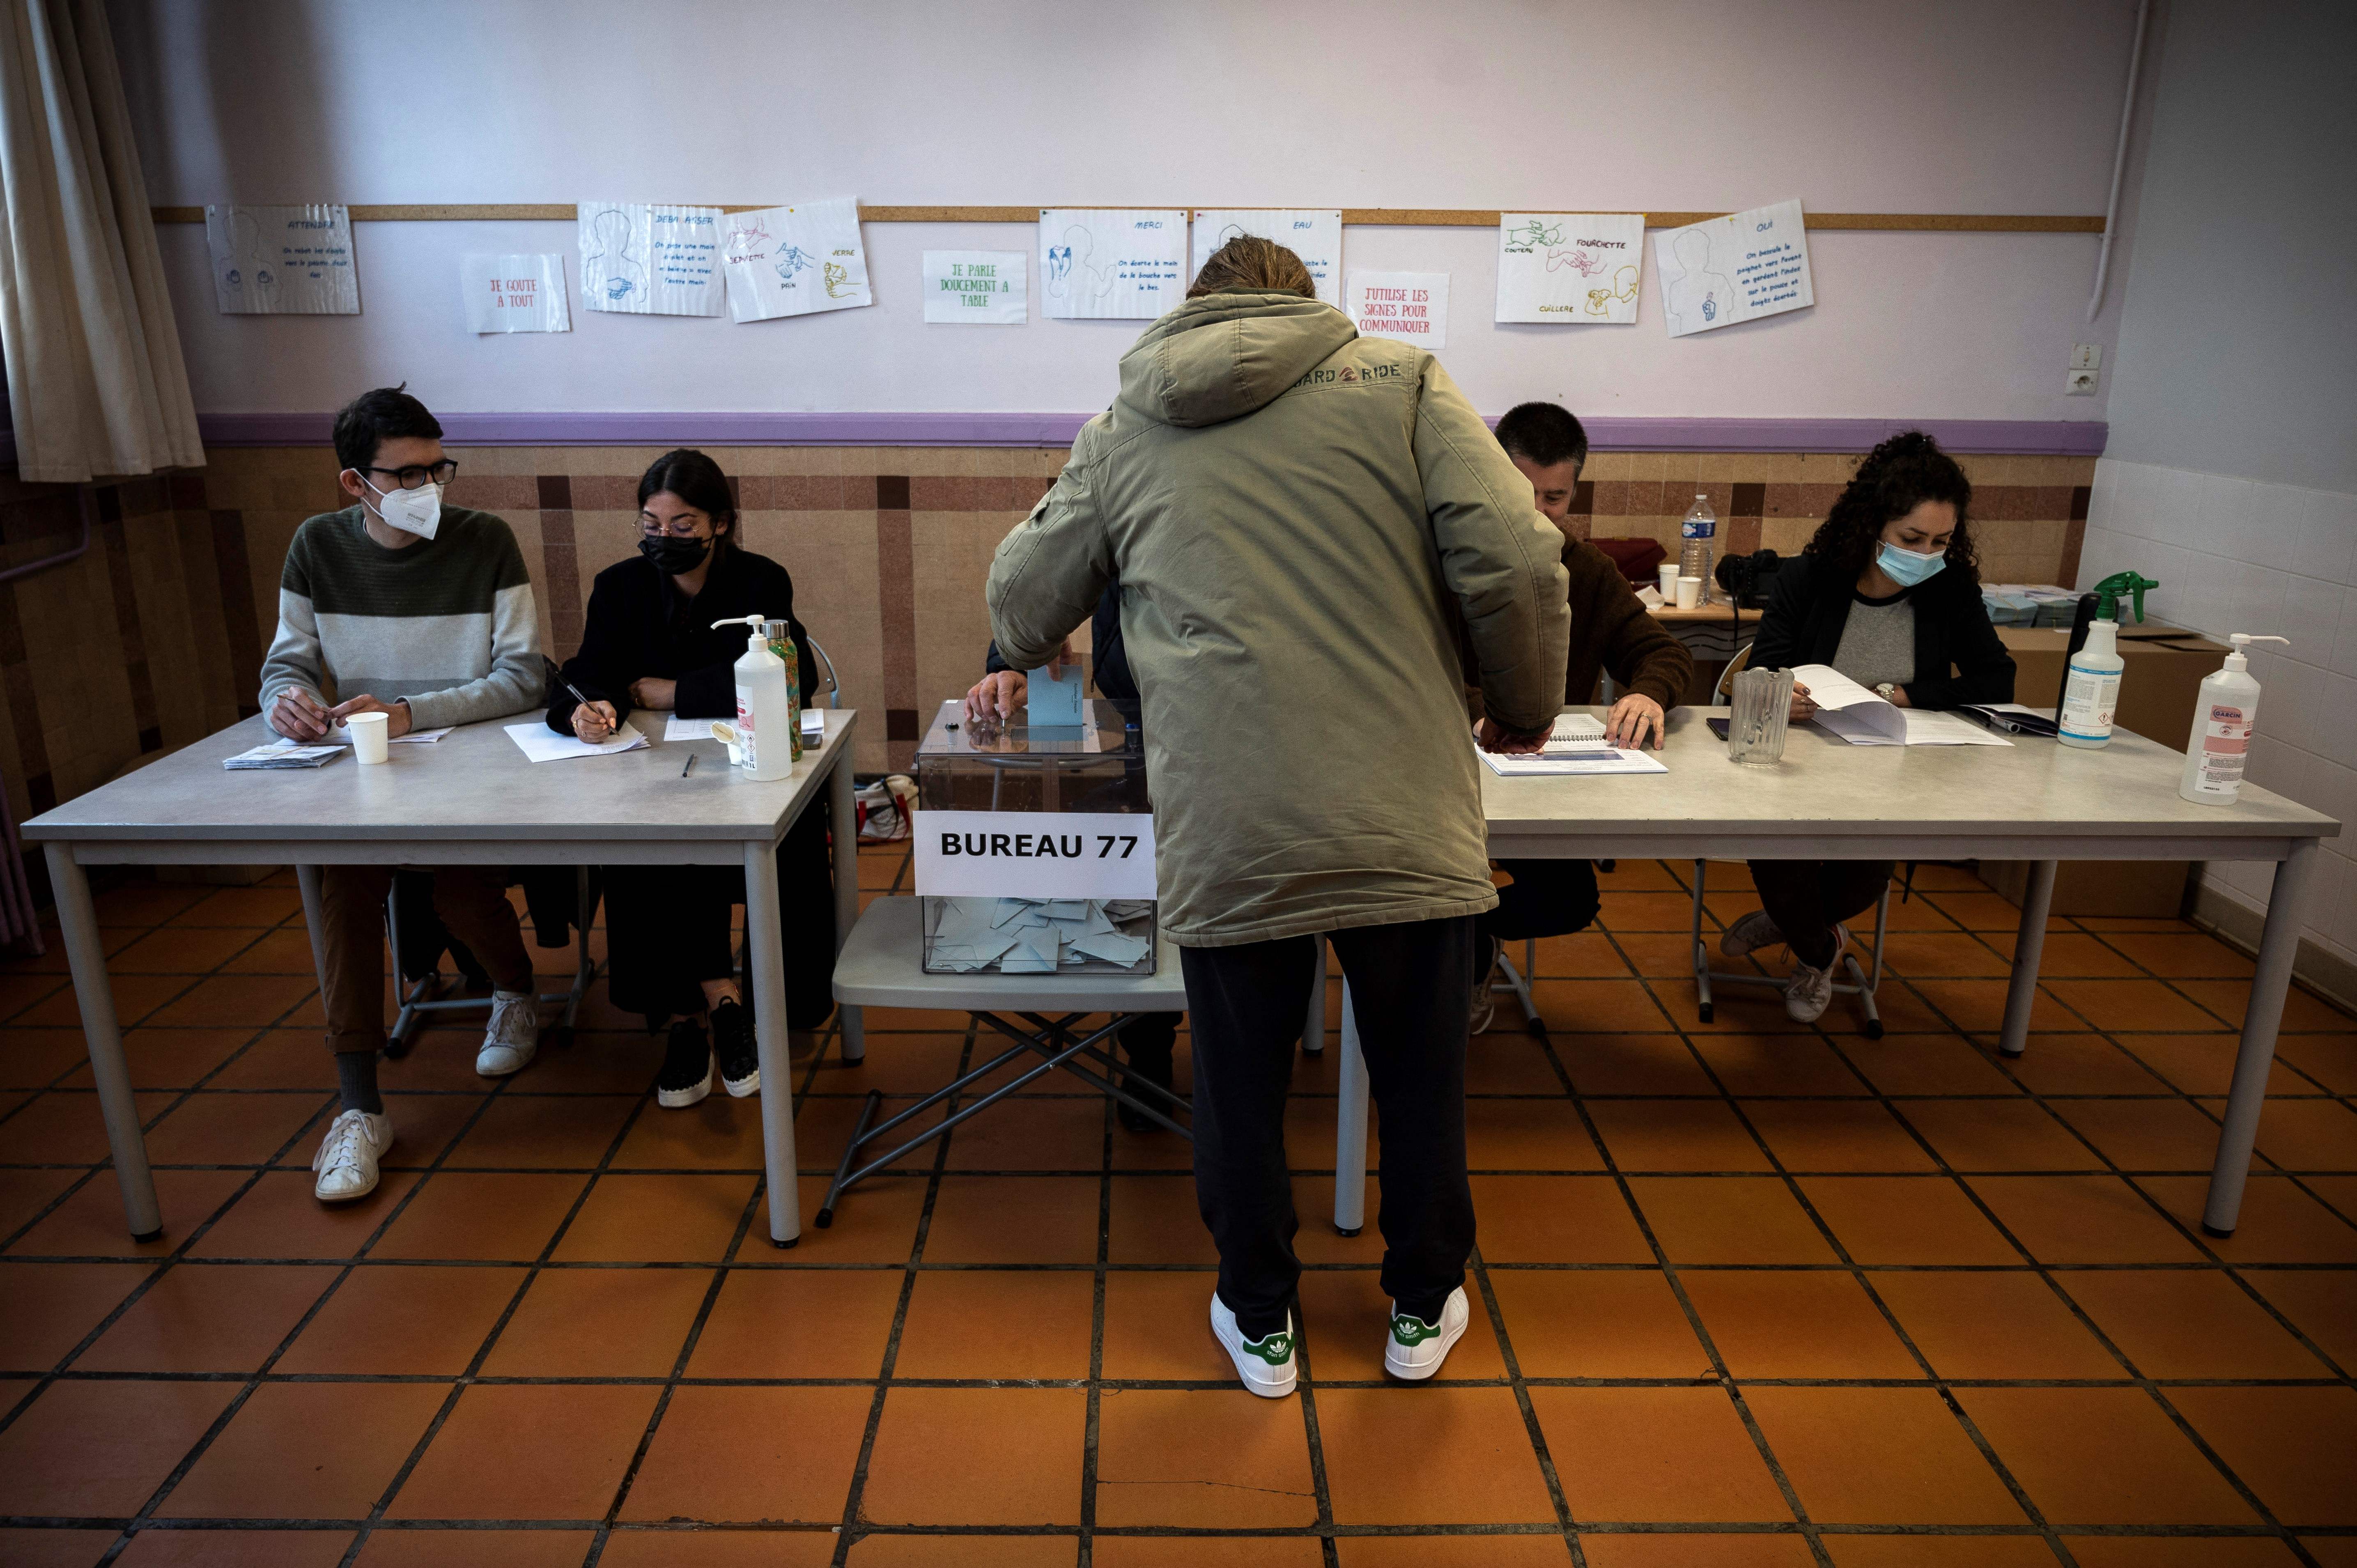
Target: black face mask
[[675, 555]]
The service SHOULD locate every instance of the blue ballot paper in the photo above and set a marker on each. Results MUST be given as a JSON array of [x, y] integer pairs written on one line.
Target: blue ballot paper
[[1052, 699]]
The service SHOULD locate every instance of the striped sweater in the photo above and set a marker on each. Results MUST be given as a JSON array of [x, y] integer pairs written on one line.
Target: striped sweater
[[447, 624]]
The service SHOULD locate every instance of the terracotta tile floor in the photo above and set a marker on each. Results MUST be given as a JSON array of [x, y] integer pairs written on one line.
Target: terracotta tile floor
[[1748, 1294]]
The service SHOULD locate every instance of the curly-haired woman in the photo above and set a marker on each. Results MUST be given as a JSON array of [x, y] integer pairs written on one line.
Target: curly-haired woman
[[1888, 594]]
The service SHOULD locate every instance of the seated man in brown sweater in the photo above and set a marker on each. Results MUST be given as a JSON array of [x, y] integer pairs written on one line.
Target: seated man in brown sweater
[[1610, 630]]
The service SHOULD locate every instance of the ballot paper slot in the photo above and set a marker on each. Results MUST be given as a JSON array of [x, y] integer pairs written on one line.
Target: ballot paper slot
[[1034, 845]]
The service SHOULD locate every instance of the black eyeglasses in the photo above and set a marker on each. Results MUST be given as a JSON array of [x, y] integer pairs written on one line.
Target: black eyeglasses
[[418, 475]]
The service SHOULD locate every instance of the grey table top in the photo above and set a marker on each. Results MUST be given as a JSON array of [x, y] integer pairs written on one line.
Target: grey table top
[[882, 966], [2034, 788], [474, 783]]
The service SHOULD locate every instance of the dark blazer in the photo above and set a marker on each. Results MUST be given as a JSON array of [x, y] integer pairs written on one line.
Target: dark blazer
[[1811, 605], [640, 624], [1108, 658]]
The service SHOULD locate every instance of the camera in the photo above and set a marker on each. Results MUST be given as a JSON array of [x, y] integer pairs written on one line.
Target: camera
[[1749, 579]]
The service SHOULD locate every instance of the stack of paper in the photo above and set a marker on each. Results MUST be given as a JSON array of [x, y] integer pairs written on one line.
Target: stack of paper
[[1037, 935], [342, 736], [283, 754], [1861, 718], [1594, 756], [544, 745]]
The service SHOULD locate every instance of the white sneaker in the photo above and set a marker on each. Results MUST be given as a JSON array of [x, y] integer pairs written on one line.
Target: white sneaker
[[513, 1033], [1485, 1000], [1263, 1365], [1415, 1349], [348, 1156], [1750, 934], [1808, 993]]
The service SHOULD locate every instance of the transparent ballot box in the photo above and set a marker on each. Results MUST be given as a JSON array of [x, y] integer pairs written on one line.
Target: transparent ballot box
[[1035, 845]]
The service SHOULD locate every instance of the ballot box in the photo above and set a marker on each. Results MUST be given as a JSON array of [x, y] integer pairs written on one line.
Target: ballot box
[[1034, 844]]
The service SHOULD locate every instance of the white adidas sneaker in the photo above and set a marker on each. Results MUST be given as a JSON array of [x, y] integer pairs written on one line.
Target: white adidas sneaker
[[1413, 1348], [348, 1156], [513, 1036], [1263, 1365]]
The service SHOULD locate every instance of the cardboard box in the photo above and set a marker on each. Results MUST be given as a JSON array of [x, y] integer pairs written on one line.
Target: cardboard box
[[2162, 669]]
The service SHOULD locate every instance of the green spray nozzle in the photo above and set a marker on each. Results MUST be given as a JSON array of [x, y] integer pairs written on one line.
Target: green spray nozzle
[[2108, 594]]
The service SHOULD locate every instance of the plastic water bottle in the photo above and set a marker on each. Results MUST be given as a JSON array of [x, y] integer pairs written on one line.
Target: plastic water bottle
[[1696, 536]]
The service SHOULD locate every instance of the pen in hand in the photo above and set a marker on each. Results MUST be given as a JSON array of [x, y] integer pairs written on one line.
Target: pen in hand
[[598, 713]]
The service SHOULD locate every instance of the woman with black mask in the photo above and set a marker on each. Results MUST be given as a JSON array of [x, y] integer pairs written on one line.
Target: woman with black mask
[[650, 644]]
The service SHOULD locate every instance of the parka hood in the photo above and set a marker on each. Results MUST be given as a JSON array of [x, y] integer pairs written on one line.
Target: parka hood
[[1226, 355]]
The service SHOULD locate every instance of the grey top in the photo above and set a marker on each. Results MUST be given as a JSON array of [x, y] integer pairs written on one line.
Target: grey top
[[1877, 642]]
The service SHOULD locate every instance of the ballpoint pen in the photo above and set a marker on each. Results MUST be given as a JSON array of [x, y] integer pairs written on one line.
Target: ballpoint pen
[[691, 766]]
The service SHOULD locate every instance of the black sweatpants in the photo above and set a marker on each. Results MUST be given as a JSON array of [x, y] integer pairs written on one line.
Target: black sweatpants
[[1545, 898], [1807, 898], [1410, 987]]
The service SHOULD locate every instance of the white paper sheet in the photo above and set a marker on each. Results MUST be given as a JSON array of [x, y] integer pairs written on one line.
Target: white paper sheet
[[1597, 757], [514, 293], [1410, 306], [542, 743], [794, 260], [1105, 264], [977, 288], [283, 261], [1862, 718], [650, 261], [1570, 268], [1738, 268], [342, 736], [677, 728], [1315, 234]]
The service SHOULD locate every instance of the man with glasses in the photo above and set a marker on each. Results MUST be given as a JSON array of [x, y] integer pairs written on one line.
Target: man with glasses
[[402, 606]]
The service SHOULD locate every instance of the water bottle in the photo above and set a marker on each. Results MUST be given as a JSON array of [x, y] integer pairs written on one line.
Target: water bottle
[[1696, 535]]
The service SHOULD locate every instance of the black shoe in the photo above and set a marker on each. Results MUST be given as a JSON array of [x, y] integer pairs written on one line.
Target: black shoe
[[732, 1037], [1152, 1067], [688, 1067]]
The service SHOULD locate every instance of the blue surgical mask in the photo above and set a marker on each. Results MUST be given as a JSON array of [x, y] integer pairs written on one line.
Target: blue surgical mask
[[1907, 568]]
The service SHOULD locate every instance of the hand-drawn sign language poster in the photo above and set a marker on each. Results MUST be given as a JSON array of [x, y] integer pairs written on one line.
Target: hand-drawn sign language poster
[[791, 260], [1569, 268], [283, 261], [1737, 268], [1099, 263], [650, 261]]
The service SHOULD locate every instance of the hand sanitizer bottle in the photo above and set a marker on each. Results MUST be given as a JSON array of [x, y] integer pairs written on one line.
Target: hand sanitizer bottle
[[2090, 691], [766, 719], [2224, 717]]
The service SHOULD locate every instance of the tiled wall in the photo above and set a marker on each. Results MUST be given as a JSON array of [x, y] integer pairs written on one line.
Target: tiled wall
[[155, 638], [2237, 555]]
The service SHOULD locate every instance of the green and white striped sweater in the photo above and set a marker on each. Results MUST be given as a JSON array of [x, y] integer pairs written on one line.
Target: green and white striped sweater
[[447, 624]]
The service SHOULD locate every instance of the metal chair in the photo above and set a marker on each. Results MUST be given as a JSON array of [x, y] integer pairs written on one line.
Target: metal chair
[[424, 997]]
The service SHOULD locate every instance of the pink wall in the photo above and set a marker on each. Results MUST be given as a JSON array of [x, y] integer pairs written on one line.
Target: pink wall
[[1993, 106]]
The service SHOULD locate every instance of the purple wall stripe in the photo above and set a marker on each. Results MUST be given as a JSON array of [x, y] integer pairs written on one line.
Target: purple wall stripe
[[2072, 438]]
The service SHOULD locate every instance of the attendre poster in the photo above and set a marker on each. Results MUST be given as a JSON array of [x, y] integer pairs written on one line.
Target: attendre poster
[[1103, 264], [1315, 234], [792, 261], [645, 260], [1570, 268], [1738, 268], [283, 261]]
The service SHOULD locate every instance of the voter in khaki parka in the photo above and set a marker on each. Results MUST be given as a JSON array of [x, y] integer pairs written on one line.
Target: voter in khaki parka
[[422, 612], [1299, 517]]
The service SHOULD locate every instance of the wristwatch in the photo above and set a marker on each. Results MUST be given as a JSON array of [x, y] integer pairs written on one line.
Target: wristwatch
[[1886, 690]]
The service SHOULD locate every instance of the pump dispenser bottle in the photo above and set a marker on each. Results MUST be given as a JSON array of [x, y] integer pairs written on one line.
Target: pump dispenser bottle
[[2091, 688], [2224, 713], [765, 712]]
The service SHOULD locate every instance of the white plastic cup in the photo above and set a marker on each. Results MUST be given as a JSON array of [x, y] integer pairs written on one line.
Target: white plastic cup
[[1689, 593], [1668, 573], [371, 737]]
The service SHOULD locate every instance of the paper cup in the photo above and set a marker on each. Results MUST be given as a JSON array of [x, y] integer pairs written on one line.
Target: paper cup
[[1668, 573], [1689, 593], [371, 737]]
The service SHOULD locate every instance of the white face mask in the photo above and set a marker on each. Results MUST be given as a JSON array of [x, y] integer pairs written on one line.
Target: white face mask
[[418, 511]]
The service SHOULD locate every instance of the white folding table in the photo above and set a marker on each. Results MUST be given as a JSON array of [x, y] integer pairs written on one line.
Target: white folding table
[[2037, 800], [470, 798]]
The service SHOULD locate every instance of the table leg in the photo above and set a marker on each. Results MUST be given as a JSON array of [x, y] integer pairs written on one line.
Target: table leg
[[1350, 1129], [315, 920], [1313, 1026], [86, 953], [2029, 944], [764, 940], [2279, 942], [843, 822]]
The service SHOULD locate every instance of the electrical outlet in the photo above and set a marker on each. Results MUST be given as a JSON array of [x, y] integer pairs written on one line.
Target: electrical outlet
[[2086, 356], [2080, 383]]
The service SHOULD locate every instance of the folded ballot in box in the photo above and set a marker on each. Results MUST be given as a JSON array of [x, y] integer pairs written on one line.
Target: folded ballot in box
[[1035, 845]]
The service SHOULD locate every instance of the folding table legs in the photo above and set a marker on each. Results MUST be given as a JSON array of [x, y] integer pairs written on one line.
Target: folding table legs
[[1350, 1129], [86, 954], [2261, 1016], [2028, 945], [764, 941], [843, 825]]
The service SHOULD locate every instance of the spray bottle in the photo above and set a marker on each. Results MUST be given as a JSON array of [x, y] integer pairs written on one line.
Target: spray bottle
[[2091, 688], [766, 719], [2224, 717]]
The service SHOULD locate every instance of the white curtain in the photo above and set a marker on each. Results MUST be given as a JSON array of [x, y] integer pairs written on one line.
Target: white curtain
[[96, 384]]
